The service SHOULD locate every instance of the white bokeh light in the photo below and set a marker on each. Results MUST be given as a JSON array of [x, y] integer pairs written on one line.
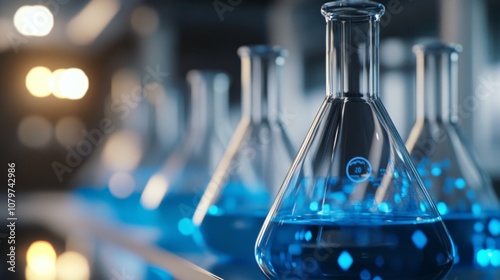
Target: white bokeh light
[[35, 20]]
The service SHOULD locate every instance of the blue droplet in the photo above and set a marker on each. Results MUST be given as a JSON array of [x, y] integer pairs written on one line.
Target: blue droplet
[[435, 171], [294, 249], [345, 260], [495, 258], [365, 275], [494, 227], [478, 227], [397, 198], [326, 208], [396, 174], [476, 209], [482, 258], [422, 207], [185, 226], [419, 239], [384, 207], [308, 236], [213, 210], [313, 206], [379, 261], [460, 183], [442, 208]]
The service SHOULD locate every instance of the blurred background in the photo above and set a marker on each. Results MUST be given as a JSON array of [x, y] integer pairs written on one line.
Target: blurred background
[[74, 74]]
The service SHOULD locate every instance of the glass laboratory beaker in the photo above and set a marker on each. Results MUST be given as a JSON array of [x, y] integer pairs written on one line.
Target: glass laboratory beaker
[[352, 205], [240, 193], [449, 168], [174, 191]]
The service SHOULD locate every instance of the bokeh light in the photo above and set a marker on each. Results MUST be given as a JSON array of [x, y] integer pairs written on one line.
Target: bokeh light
[[73, 83], [72, 266], [54, 83], [37, 81], [144, 20], [121, 184], [41, 261], [122, 151], [34, 131], [69, 130], [154, 192], [34, 20]]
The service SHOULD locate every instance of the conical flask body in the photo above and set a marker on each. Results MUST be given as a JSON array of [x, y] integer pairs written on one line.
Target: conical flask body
[[445, 160], [352, 204]]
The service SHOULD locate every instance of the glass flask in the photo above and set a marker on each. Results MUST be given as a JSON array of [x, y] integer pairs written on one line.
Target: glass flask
[[173, 192], [353, 206], [239, 195], [449, 168]]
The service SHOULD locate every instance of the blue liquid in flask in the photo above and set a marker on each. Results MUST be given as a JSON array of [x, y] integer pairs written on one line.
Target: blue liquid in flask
[[229, 230], [313, 248]]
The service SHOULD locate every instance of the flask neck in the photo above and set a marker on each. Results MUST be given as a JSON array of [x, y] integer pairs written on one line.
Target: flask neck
[[437, 84], [261, 81], [352, 56], [209, 100]]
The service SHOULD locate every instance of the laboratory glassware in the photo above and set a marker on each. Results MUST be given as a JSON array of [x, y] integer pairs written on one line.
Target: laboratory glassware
[[450, 170], [352, 205], [243, 186], [173, 192]]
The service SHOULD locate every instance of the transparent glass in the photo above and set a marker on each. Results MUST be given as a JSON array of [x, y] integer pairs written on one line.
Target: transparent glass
[[449, 168], [173, 192], [240, 193], [352, 205]]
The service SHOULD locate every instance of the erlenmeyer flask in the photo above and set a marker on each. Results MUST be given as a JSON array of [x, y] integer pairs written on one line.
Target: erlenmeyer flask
[[460, 188], [352, 205], [240, 193], [173, 192]]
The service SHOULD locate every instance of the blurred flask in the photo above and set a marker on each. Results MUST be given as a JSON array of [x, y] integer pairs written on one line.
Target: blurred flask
[[461, 189], [173, 192], [239, 195]]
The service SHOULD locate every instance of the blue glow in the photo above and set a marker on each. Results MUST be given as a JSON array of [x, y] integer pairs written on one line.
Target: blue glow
[[427, 183], [294, 249], [339, 196], [483, 257], [494, 227], [385, 207], [397, 198], [460, 183], [436, 171], [377, 278], [495, 258], [422, 171], [442, 208], [326, 208], [345, 260], [476, 209], [365, 275], [213, 210], [379, 261], [297, 235], [314, 206], [348, 188], [419, 239], [308, 236], [185, 226], [422, 207], [396, 174], [478, 227]]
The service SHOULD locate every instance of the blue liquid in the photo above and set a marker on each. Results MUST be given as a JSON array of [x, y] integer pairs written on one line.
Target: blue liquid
[[174, 216], [232, 235], [477, 239], [315, 249]]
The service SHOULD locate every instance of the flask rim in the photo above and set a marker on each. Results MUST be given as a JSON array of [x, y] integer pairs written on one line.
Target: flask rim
[[438, 47], [355, 9]]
